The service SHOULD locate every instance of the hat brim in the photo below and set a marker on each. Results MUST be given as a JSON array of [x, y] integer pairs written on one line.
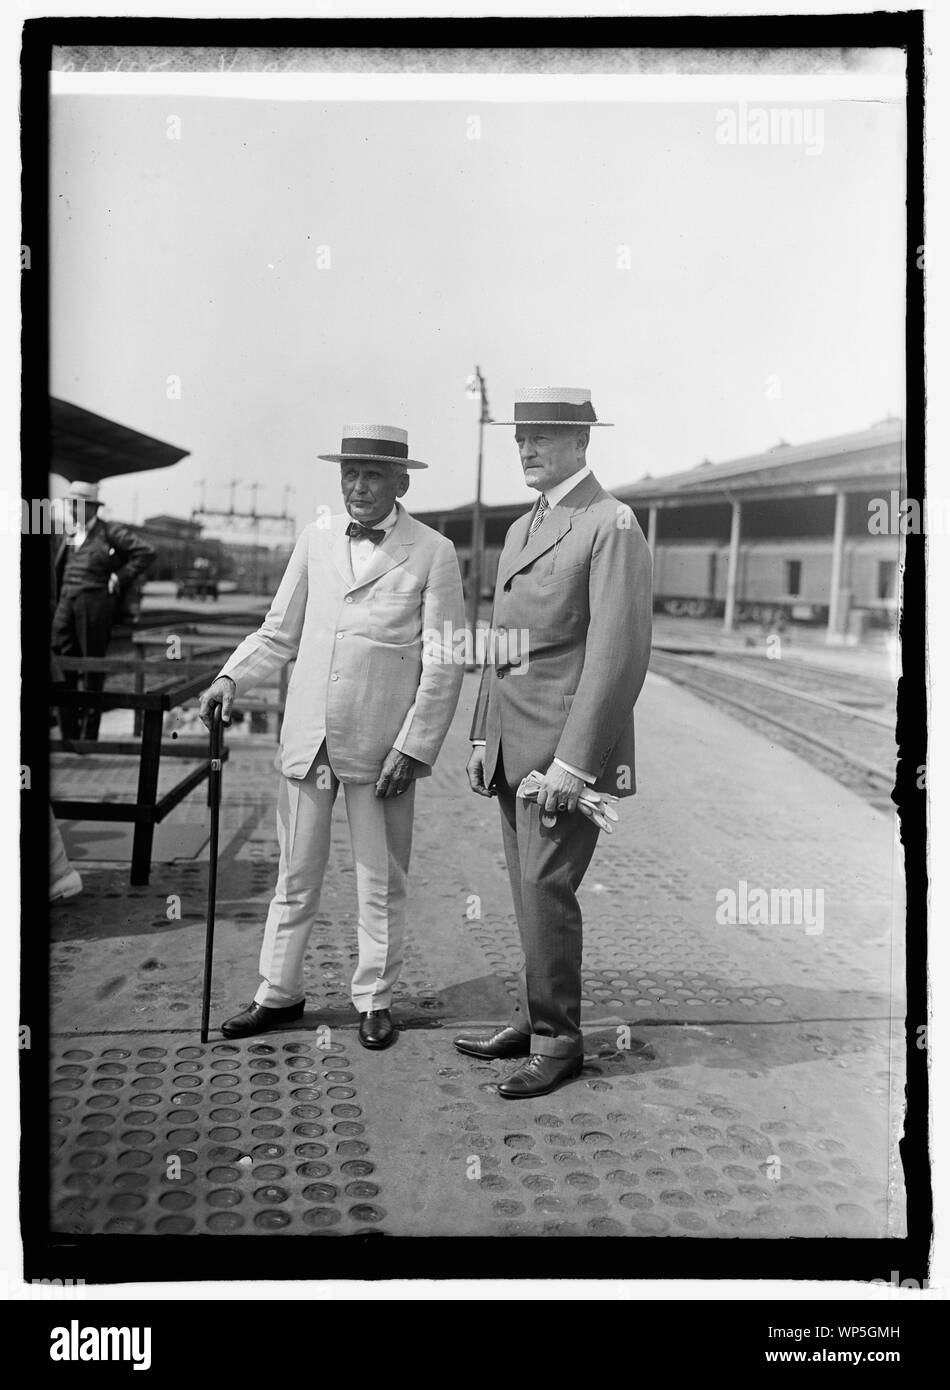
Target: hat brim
[[371, 458], [561, 424]]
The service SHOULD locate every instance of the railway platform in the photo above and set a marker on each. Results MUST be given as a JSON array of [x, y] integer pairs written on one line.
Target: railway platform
[[744, 1066], [875, 656]]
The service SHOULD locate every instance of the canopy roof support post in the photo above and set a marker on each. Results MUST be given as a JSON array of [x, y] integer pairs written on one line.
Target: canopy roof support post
[[735, 536], [835, 597]]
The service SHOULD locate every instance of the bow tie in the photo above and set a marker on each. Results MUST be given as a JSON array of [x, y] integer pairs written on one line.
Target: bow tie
[[358, 532]]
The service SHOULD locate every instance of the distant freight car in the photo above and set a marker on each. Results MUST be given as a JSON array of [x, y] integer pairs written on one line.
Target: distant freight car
[[791, 577]]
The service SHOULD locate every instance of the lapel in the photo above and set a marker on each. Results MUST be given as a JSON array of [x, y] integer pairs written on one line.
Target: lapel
[[390, 552], [60, 551], [517, 540], [340, 550], [93, 531], [523, 549]]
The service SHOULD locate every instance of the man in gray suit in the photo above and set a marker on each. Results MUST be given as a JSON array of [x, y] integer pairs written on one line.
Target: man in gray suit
[[575, 575]]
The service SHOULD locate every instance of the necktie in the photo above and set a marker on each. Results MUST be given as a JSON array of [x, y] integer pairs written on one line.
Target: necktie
[[358, 532], [539, 514]]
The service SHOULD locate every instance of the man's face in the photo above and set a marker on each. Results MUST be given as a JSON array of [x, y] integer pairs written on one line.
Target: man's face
[[370, 490], [549, 454], [78, 512]]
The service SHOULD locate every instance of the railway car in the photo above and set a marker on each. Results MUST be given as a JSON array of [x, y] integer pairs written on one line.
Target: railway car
[[689, 578], [791, 577]]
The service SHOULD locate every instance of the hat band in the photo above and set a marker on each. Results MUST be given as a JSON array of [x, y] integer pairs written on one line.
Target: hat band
[[389, 447], [560, 411]]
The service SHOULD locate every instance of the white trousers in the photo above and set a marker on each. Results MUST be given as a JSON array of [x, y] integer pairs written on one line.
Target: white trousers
[[381, 838], [59, 865]]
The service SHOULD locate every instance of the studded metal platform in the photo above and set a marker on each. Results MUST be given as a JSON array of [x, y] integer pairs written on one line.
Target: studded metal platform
[[173, 1138], [739, 1080]]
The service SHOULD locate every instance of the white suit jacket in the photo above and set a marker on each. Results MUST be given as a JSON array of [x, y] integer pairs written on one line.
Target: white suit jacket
[[364, 680]]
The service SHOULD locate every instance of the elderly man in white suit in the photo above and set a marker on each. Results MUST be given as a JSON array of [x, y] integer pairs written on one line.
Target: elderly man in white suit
[[367, 609]]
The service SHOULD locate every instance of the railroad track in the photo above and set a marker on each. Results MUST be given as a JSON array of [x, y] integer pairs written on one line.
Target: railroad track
[[839, 723], [857, 691]]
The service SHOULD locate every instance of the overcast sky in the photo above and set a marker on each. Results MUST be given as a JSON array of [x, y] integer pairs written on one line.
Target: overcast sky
[[765, 298]]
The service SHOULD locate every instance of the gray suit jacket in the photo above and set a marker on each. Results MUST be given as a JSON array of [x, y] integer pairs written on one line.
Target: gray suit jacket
[[573, 621]]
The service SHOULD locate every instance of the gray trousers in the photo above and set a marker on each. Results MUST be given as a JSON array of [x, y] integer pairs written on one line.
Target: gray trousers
[[545, 868]]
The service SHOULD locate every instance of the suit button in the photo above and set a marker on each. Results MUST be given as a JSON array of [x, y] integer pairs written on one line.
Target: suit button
[[501, 675], [339, 634], [347, 600], [334, 677]]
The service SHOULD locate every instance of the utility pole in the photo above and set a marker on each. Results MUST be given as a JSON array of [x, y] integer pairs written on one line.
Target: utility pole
[[196, 512], [476, 386], [255, 520], [241, 524]]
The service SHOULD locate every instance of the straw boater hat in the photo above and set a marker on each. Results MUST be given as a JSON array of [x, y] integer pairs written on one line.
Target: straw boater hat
[[553, 405], [374, 444]]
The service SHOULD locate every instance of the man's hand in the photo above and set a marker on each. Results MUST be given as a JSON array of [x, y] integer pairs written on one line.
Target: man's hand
[[476, 771], [396, 773], [560, 791], [220, 692], [113, 584]]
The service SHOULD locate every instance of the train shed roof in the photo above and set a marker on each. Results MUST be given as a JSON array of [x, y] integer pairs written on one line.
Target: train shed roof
[[87, 447], [867, 458]]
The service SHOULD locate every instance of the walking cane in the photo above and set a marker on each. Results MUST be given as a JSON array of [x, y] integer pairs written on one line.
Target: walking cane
[[214, 801]]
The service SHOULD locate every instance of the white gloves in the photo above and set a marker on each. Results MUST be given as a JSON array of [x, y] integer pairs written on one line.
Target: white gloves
[[596, 806]]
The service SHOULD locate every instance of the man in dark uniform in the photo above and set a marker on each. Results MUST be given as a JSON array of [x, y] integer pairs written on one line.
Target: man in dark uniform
[[96, 563]]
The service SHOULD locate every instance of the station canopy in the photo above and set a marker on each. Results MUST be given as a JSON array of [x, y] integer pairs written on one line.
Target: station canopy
[[866, 458], [87, 448]]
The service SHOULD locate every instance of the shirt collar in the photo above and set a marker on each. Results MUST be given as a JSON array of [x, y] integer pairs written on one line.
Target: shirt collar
[[561, 489], [387, 523], [79, 534]]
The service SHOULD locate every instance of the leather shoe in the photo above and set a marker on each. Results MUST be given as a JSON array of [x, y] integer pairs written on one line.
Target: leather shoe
[[257, 1018], [507, 1042], [539, 1075], [376, 1029]]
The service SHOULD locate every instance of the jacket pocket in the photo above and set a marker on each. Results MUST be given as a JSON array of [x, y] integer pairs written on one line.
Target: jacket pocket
[[563, 574], [395, 618]]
